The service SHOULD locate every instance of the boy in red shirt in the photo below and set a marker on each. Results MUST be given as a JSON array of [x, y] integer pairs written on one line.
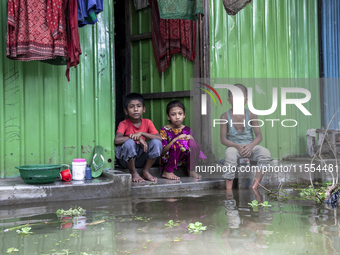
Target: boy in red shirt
[[133, 151]]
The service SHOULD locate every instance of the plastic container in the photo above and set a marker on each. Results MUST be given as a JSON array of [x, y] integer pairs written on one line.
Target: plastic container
[[78, 169], [38, 174], [88, 172]]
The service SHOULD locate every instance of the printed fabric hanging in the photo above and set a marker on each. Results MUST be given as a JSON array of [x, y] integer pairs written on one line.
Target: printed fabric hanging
[[37, 30], [180, 9], [171, 36], [88, 11], [232, 7]]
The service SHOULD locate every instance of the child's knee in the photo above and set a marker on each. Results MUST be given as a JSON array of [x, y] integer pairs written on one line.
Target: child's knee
[[127, 150], [266, 154], [231, 155], [156, 144], [129, 144], [155, 148], [193, 144], [263, 154]]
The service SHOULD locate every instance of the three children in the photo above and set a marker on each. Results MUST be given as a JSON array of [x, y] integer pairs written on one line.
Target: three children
[[176, 145]]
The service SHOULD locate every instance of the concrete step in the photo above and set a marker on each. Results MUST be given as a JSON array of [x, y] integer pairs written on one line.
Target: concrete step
[[185, 184], [155, 171], [110, 184]]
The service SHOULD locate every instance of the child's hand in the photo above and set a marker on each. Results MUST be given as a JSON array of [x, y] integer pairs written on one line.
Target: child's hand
[[246, 150], [182, 136], [144, 144], [136, 136], [190, 137]]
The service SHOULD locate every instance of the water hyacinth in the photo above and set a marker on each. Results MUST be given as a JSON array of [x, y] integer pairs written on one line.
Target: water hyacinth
[[196, 228]]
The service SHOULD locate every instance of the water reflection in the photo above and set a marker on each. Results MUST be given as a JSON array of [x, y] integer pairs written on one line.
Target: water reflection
[[137, 225], [246, 227]]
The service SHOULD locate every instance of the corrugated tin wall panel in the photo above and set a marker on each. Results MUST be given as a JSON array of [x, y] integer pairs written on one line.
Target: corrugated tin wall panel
[[330, 27], [47, 120], [269, 39], [144, 72]]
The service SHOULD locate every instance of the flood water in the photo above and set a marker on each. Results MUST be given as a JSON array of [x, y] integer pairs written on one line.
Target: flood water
[[136, 225]]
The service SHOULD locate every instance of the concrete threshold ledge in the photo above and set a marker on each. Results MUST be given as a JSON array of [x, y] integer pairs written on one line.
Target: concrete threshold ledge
[[111, 184], [183, 185]]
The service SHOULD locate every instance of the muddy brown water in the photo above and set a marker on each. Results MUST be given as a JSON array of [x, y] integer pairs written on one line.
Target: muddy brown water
[[136, 225]]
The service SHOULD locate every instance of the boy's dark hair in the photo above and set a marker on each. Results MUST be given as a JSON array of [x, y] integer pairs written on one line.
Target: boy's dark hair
[[240, 86], [133, 96], [175, 103]]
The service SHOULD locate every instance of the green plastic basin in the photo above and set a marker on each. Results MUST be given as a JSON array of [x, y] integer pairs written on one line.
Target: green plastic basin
[[38, 174]]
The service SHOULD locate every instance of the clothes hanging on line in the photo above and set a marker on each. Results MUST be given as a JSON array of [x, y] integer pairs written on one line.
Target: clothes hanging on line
[[73, 42], [232, 7], [36, 30], [171, 36], [88, 11], [141, 4], [180, 9]]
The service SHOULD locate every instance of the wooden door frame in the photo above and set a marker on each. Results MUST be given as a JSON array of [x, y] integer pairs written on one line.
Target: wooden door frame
[[201, 70]]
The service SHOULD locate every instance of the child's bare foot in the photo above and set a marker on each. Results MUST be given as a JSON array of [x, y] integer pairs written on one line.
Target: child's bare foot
[[170, 176], [136, 177], [148, 176], [193, 174]]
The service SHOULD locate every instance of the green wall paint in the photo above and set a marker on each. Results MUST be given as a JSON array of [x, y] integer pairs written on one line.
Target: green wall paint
[[46, 120]]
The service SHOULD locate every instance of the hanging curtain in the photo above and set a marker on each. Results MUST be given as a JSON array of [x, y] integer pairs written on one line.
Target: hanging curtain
[[171, 36]]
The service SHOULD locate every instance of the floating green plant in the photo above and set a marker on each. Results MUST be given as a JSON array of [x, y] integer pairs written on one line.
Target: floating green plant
[[77, 211], [265, 204], [12, 250], [320, 189], [254, 203], [24, 231], [196, 228], [171, 224]]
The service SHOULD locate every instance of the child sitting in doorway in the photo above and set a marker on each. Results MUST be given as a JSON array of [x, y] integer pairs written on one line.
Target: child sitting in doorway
[[179, 146], [133, 151], [240, 141]]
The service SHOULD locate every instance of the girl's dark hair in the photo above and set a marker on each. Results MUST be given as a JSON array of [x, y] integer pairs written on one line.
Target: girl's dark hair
[[242, 87], [133, 96], [175, 103]]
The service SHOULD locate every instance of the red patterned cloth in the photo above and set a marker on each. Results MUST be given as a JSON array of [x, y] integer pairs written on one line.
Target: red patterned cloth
[[36, 29], [73, 43], [171, 36]]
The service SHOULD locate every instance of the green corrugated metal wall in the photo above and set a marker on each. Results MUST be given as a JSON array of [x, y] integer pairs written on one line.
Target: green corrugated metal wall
[[269, 39], [46, 120], [144, 73]]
